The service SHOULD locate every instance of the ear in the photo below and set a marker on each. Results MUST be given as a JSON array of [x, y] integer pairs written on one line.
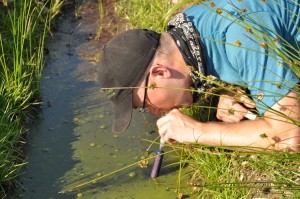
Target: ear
[[160, 70]]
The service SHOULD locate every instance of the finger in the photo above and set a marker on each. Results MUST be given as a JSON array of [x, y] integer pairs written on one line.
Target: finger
[[234, 118], [168, 117], [161, 121], [232, 115], [163, 126], [246, 100], [221, 114], [238, 111], [169, 139], [231, 119], [162, 130]]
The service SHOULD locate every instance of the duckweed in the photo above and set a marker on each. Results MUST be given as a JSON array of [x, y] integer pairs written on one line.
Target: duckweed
[[132, 174], [102, 127], [92, 145]]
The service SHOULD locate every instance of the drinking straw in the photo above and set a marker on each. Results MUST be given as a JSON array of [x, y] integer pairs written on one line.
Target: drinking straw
[[158, 160]]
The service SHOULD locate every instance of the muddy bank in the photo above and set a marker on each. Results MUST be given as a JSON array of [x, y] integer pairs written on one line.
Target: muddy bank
[[70, 142]]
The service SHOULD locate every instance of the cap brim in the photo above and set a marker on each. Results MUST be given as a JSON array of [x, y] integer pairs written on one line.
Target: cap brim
[[122, 115]]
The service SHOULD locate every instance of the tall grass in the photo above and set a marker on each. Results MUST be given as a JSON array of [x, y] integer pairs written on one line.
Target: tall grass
[[23, 30], [143, 13], [220, 173], [224, 172]]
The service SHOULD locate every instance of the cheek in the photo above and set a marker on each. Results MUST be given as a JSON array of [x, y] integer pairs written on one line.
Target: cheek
[[167, 99], [186, 99], [189, 97], [173, 98], [163, 99]]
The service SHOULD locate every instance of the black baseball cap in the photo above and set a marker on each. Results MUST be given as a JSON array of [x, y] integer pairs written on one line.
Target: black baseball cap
[[124, 61]]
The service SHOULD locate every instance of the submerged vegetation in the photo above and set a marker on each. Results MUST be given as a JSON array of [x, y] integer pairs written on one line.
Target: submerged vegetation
[[24, 26], [216, 172]]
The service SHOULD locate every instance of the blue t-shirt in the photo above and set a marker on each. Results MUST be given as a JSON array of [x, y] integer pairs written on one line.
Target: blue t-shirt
[[239, 41]]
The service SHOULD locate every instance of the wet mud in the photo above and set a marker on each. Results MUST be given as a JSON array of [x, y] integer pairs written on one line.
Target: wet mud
[[70, 142]]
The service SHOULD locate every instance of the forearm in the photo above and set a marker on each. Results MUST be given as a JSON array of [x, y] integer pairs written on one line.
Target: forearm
[[258, 133], [274, 131]]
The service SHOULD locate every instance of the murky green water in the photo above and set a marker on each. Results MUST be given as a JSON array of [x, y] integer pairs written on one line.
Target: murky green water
[[71, 143]]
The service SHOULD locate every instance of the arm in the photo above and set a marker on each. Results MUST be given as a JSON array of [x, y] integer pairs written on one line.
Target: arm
[[272, 131]]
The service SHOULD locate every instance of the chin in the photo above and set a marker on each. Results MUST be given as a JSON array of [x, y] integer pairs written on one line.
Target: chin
[[186, 104]]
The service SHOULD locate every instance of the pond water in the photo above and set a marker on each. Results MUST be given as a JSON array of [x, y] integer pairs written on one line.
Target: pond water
[[70, 142]]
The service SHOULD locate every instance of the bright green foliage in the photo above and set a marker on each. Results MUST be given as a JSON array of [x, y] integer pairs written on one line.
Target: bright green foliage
[[225, 173], [143, 13], [24, 25]]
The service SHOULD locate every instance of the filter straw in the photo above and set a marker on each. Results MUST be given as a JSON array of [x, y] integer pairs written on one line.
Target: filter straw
[[158, 160]]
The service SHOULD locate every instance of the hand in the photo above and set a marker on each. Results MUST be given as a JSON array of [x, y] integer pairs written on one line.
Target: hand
[[176, 127], [232, 108]]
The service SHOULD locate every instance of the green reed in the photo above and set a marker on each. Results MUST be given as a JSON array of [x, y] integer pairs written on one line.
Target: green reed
[[24, 27]]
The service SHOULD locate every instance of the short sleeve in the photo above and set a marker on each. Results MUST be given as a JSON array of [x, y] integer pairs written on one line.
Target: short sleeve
[[250, 49]]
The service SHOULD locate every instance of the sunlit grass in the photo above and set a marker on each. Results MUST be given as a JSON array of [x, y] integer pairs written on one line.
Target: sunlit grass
[[221, 172], [24, 27], [144, 13]]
